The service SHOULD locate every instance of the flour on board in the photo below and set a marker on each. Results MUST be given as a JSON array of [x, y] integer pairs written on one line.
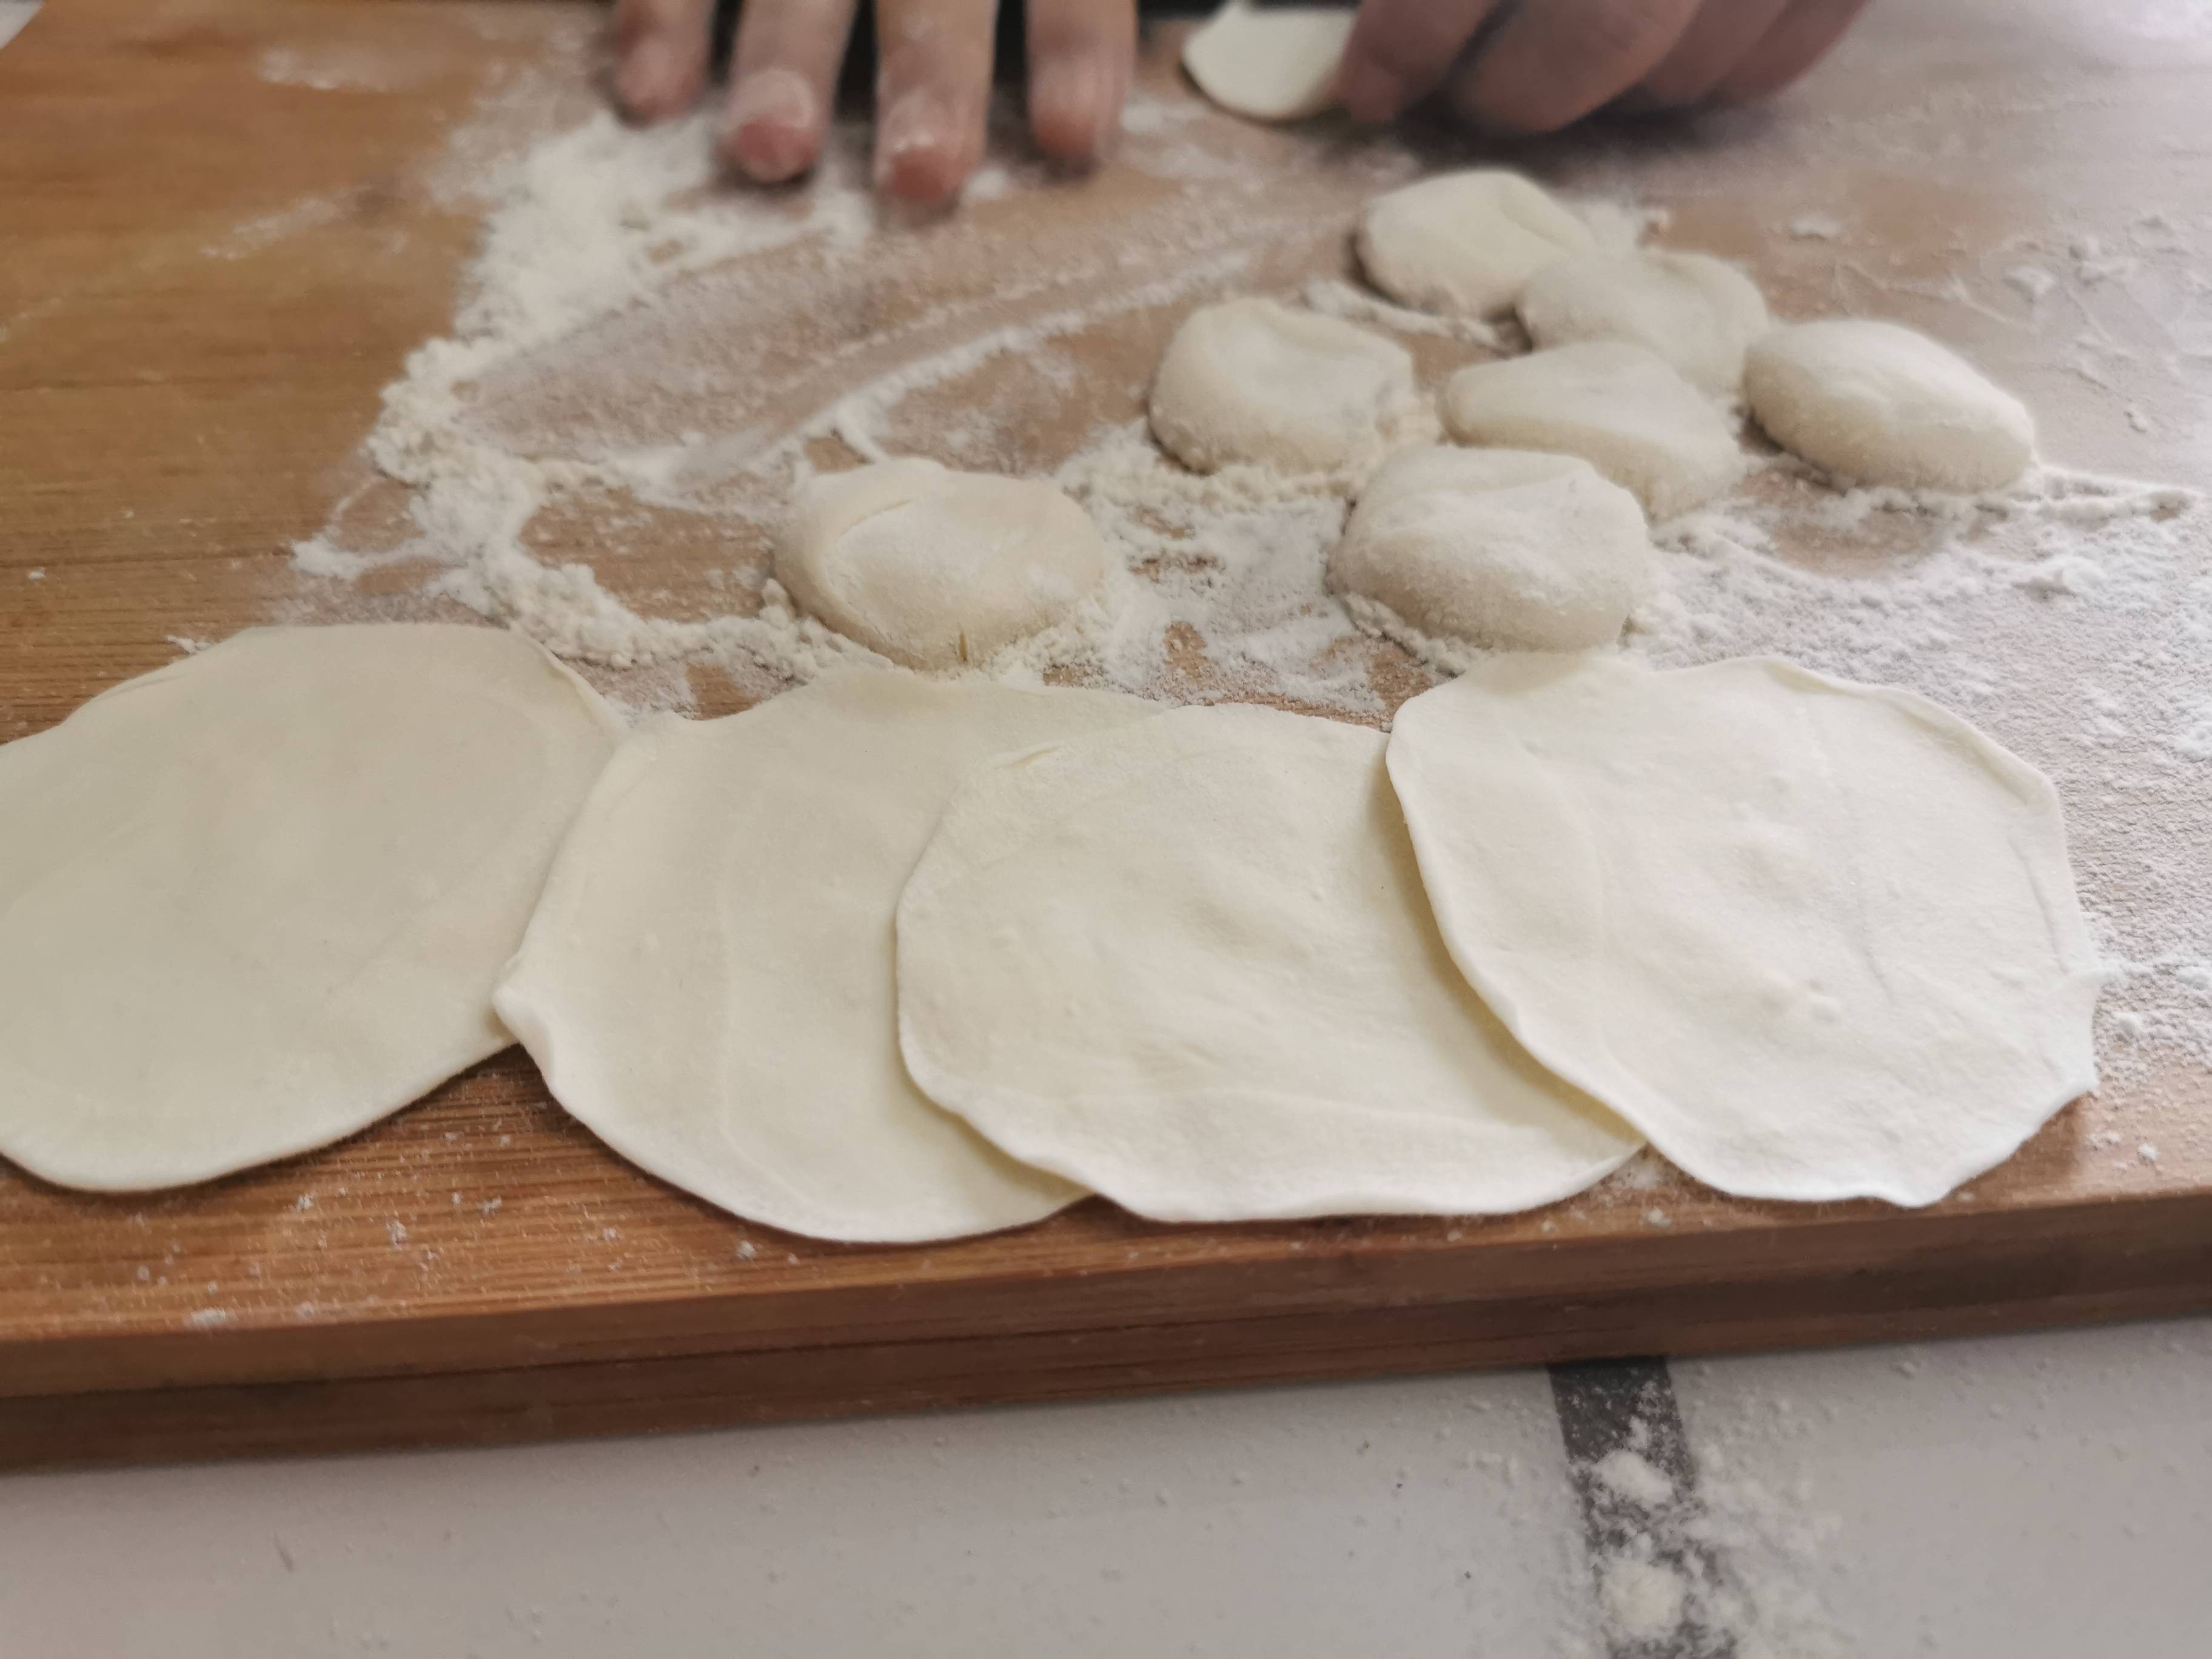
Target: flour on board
[[645, 359]]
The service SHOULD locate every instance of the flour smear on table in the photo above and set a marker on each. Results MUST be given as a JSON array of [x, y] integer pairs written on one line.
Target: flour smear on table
[[645, 364]]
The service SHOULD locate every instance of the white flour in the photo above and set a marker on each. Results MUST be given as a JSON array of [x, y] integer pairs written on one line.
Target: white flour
[[640, 348]]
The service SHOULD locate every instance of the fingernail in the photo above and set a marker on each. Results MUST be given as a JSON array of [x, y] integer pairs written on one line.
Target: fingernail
[[769, 128], [912, 129], [646, 81], [1368, 91]]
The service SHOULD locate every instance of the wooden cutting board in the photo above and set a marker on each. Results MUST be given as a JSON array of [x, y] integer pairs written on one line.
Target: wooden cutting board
[[217, 245]]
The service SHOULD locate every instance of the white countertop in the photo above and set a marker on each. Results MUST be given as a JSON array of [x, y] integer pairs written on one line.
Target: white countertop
[[2045, 1496]]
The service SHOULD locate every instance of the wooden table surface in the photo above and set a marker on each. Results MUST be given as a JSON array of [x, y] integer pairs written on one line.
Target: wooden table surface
[[182, 396]]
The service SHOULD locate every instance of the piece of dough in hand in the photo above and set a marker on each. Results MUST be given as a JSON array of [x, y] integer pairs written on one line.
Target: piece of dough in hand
[[1465, 244], [1697, 313], [256, 900], [1618, 407], [1504, 547], [936, 569], [1254, 381], [1189, 964], [1817, 940], [1880, 404], [1271, 63], [707, 984]]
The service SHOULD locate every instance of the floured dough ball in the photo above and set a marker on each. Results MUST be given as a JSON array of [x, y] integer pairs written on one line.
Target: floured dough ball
[[1618, 407], [1254, 381], [1884, 405], [1465, 244], [1502, 546], [1697, 313], [932, 567], [1273, 64]]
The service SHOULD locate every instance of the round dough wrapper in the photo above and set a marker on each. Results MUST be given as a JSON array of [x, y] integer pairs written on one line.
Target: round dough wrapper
[[1189, 964], [1622, 408], [937, 569], [1882, 404], [1817, 940], [1277, 64], [1250, 380], [707, 984], [1697, 312], [1465, 244], [1505, 547], [256, 900]]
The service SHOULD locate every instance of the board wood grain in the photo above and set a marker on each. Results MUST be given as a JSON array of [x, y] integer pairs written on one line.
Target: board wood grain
[[218, 249]]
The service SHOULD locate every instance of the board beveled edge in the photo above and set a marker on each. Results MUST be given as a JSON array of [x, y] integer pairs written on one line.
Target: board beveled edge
[[2081, 1264]]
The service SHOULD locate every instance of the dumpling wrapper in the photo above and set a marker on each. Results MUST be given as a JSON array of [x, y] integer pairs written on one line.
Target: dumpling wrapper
[[1817, 940], [1189, 964], [256, 900], [707, 984]]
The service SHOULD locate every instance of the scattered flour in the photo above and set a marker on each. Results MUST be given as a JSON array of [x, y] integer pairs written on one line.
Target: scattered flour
[[641, 349]]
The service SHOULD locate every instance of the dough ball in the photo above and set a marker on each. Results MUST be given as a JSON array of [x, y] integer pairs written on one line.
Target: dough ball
[[1189, 964], [1882, 404], [256, 900], [1618, 407], [707, 984], [1502, 546], [1250, 380], [1697, 313], [1818, 940], [1277, 64], [932, 567], [1465, 244]]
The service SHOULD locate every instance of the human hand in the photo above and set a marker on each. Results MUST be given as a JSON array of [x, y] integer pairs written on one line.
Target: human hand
[[1538, 65], [932, 85]]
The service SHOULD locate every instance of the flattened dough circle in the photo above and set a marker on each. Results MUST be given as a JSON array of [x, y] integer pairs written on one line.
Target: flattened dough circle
[[1817, 940], [1188, 963], [1254, 381], [1465, 244], [936, 569], [1507, 547], [707, 984], [256, 900], [1884, 405], [1620, 407]]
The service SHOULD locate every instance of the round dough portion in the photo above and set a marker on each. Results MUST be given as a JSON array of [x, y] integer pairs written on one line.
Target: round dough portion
[[1698, 313], [937, 569], [1465, 244], [1884, 405], [1620, 407], [1504, 547], [1189, 964], [1250, 380], [1818, 940], [256, 900], [1277, 64], [707, 984]]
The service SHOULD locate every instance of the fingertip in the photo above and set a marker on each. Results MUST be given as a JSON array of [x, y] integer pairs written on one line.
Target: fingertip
[[1075, 105], [653, 82], [772, 128], [1368, 91], [920, 155]]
